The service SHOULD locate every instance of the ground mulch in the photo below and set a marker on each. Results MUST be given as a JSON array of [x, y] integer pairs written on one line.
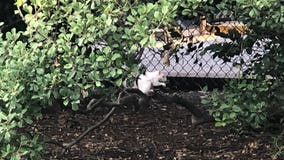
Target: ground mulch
[[157, 132]]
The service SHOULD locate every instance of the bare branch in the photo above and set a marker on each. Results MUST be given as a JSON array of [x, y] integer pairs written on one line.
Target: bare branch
[[93, 103], [90, 129]]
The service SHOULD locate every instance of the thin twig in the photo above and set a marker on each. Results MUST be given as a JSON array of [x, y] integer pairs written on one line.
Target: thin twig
[[20, 13], [93, 103]]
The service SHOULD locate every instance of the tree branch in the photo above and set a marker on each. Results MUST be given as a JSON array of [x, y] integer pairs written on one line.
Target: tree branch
[[198, 117], [69, 145]]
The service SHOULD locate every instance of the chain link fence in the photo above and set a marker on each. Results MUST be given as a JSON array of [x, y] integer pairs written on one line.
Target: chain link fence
[[190, 60]]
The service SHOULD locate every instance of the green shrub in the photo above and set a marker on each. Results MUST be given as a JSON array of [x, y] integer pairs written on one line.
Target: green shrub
[[247, 102], [240, 103], [67, 48]]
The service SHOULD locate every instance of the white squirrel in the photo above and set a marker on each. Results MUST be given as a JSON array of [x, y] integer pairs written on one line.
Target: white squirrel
[[145, 82]]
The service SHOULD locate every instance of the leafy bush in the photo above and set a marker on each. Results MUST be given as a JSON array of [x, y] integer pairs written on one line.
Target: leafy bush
[[239, 103], [249, 102], [67, 48]]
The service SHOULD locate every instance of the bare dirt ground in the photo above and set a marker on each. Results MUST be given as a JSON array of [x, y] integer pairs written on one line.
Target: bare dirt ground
[[158, 132]]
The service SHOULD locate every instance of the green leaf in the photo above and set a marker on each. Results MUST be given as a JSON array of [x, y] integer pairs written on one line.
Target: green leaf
[[19, 3], [63, 91], [28, 120], [144, 41], [119, 71], [236, 109], [115, 56], [75, 106], [220, 124], [205, 89], [68, 66], [152, 41], [118, 82], [3, 116], [133, 48], [98, 83], [105, 70], [130, 18], [232, 115], [75, 95], [28, 8], [66, 102], [224, 106], [107, 50], [40, 71], [141, 10], [186, 11], [165, 9], [7, 137], [253, 12], [108, 21], [157, 15], [100, 58], [113, 73]]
